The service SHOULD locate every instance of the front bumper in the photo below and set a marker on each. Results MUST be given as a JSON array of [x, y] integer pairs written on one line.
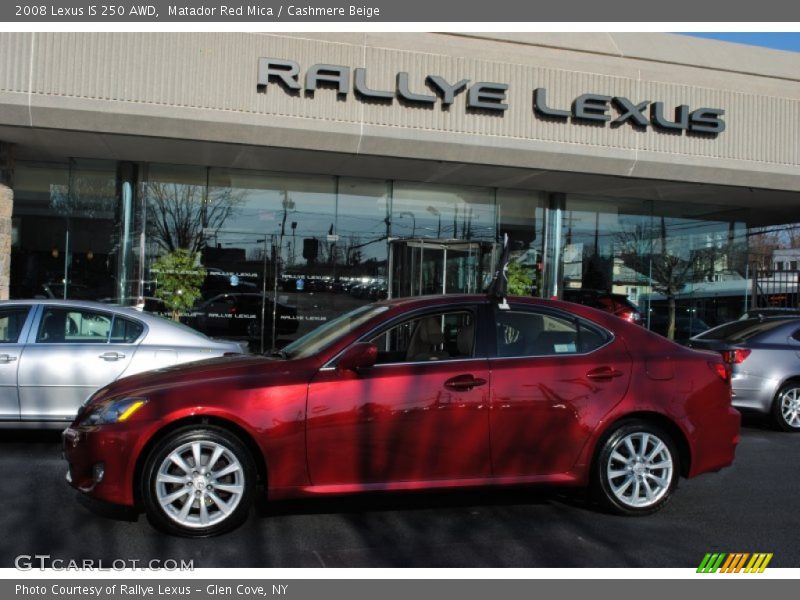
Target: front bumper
[[100, 461]]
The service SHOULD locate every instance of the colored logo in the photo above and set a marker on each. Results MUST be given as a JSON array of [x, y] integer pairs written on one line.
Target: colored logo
[[737, 562]]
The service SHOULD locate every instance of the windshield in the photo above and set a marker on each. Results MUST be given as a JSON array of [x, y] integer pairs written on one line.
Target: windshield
[[740, 331], [324, 335]]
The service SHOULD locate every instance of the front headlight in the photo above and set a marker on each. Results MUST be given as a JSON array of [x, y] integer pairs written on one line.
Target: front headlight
[[114, 411]]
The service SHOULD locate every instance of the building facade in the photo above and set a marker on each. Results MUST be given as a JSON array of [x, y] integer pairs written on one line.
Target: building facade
[[329, 170]]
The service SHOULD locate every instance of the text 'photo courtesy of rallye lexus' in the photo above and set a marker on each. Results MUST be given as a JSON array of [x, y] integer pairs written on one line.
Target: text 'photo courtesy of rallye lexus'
[[431, 392]]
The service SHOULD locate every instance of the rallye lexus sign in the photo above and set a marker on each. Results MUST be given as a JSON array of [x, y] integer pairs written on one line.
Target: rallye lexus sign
[[488, 96]]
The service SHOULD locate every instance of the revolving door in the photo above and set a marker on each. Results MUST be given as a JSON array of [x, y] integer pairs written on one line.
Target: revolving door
[[427, 266]]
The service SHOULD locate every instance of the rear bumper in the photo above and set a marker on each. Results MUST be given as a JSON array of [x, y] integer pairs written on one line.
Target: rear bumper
[[714, 444], [752, 392]]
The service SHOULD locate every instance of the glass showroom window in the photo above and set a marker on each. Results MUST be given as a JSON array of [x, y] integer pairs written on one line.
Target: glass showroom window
[[174, 212], [520, 214], [682, 264], [65, 238], [700, 268], [363, 229], [443, 238], [273, 232]]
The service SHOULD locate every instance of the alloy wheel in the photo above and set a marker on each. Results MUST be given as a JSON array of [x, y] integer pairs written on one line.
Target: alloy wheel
[[200, 483], [639, 469], [790, 407]]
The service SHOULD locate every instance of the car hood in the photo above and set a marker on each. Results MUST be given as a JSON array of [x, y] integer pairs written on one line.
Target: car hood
[[264, 370]]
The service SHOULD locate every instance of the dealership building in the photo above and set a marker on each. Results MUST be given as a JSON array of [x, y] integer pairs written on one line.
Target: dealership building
[[331, 169]]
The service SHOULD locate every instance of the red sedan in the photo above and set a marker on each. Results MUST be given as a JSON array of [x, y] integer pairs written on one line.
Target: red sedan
[[408, 394]]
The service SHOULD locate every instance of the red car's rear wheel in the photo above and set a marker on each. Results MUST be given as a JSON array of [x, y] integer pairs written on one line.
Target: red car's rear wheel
[[636, 469]]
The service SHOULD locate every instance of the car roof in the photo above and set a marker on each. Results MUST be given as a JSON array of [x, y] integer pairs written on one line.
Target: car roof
[[747, 328], [68, 302], [160, 329], [410, 303]]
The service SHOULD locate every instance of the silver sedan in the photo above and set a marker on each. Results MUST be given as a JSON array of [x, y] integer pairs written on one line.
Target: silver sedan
[[764, 354], [55, 353]]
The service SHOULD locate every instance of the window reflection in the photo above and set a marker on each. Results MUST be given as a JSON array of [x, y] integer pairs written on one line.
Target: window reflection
[[421, 210], [64, 239], [284, 253], [669, 259], [520, 214]]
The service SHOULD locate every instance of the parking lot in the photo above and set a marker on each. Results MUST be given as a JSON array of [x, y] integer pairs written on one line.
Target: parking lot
[[750, 507]]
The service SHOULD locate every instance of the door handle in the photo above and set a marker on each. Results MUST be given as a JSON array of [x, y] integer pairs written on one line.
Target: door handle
[[112, 355], [463, 383], [604, 374], [7, 358]]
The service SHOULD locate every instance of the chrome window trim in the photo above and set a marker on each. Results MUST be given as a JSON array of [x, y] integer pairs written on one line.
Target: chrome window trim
[[406, 364]]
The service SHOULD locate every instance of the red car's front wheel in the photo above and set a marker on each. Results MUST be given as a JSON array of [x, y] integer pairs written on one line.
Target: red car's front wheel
[[198, 481]]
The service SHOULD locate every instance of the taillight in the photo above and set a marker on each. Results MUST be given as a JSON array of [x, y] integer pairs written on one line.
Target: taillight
[[721, 369], [631, 315], [737, 356]]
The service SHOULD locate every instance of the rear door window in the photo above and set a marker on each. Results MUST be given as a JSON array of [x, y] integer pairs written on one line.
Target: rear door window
[[530, 333], [73, 326]]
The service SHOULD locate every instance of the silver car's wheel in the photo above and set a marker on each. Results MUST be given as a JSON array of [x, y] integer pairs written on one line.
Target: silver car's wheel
[[198, 482], [637, 469], [786, 409]]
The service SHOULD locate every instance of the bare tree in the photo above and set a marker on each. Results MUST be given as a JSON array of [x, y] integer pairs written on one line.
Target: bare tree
[[179, 213], [669, 272], [762, 244]]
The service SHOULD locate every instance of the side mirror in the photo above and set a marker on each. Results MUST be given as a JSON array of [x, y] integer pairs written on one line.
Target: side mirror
[[358, 356]]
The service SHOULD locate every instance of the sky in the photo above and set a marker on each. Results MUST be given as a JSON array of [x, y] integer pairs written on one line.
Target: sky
[[781, 41]]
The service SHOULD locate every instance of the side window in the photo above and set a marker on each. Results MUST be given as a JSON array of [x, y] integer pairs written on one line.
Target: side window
[[73, 326], [438, 336], [11, 322], [541, 334], [125, 331]]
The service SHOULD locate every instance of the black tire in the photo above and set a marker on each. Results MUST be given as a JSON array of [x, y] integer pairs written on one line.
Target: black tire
[[233, 491], [619, 485], [785, 414]]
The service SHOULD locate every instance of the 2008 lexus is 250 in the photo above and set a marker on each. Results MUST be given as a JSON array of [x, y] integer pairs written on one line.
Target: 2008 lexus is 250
[[409, 394]]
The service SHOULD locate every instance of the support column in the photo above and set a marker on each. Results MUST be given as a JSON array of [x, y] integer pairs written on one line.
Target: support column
[[553, 265], [6, 208]]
